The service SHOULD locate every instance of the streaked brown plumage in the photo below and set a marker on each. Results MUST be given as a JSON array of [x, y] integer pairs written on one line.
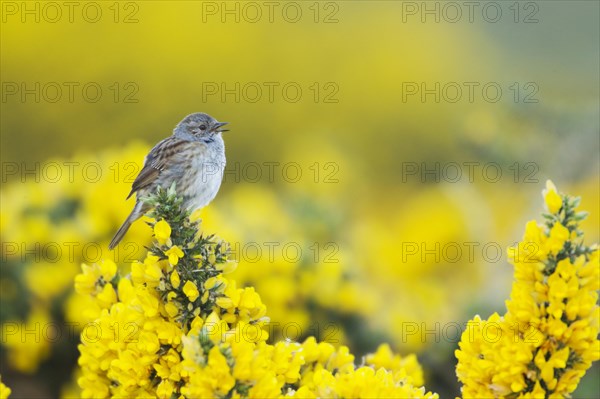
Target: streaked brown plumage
[[193, 158]]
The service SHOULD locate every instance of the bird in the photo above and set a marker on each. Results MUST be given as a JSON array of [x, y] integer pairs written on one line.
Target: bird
[[193, 158]]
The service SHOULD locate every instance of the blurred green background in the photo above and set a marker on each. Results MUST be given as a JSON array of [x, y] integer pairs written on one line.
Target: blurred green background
[[354, 130]]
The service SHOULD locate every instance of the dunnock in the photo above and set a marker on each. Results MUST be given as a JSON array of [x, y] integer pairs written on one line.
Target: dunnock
[[193, 158]]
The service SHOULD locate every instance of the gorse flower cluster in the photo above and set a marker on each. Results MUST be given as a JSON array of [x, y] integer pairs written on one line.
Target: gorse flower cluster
[[175, 326], [548, 337], [49, 227]]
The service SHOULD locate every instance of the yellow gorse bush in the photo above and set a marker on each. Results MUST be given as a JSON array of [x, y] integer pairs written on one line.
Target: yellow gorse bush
[[176, 326], [50, 227], [360, 294], [548, 337]]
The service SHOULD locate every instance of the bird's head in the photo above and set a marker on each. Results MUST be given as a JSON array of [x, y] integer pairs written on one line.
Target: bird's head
[[199, 127]]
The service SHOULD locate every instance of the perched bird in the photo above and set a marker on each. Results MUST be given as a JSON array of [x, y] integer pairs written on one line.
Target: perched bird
[[193, 158]]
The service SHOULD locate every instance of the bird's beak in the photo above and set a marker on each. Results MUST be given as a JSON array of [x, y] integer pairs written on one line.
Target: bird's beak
[[218, 125]]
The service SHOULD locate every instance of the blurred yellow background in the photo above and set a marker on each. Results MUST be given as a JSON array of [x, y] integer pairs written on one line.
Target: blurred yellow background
[[363, 133]]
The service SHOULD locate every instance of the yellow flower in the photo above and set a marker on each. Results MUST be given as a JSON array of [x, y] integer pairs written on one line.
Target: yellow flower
[[216, 283], [174, 253], [85, 283], [147, 273], [107, 296], [406, 368], [196, 325], [175, 281], [108, 269], [552, 198], [266, 387], [219, 371], [191, 291], [125, 290], [4, 390], [171, 309], [214, 327], [169, 333], [558, 360], [95, 276], [226, 267], [551, 318], [165, 389], [558, 235], [148, 342], [148, 300], [162, 232]]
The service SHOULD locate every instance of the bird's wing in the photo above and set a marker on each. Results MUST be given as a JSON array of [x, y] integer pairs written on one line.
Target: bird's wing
[[158, 158]]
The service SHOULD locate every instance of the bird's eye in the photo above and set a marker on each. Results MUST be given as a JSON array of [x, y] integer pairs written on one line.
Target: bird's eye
[[202, 127]]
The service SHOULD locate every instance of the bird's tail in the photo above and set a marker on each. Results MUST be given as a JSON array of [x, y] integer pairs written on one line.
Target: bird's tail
[[133, 216]]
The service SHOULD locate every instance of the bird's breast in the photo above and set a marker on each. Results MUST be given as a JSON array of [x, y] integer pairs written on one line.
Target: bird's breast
[[203, 180]]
